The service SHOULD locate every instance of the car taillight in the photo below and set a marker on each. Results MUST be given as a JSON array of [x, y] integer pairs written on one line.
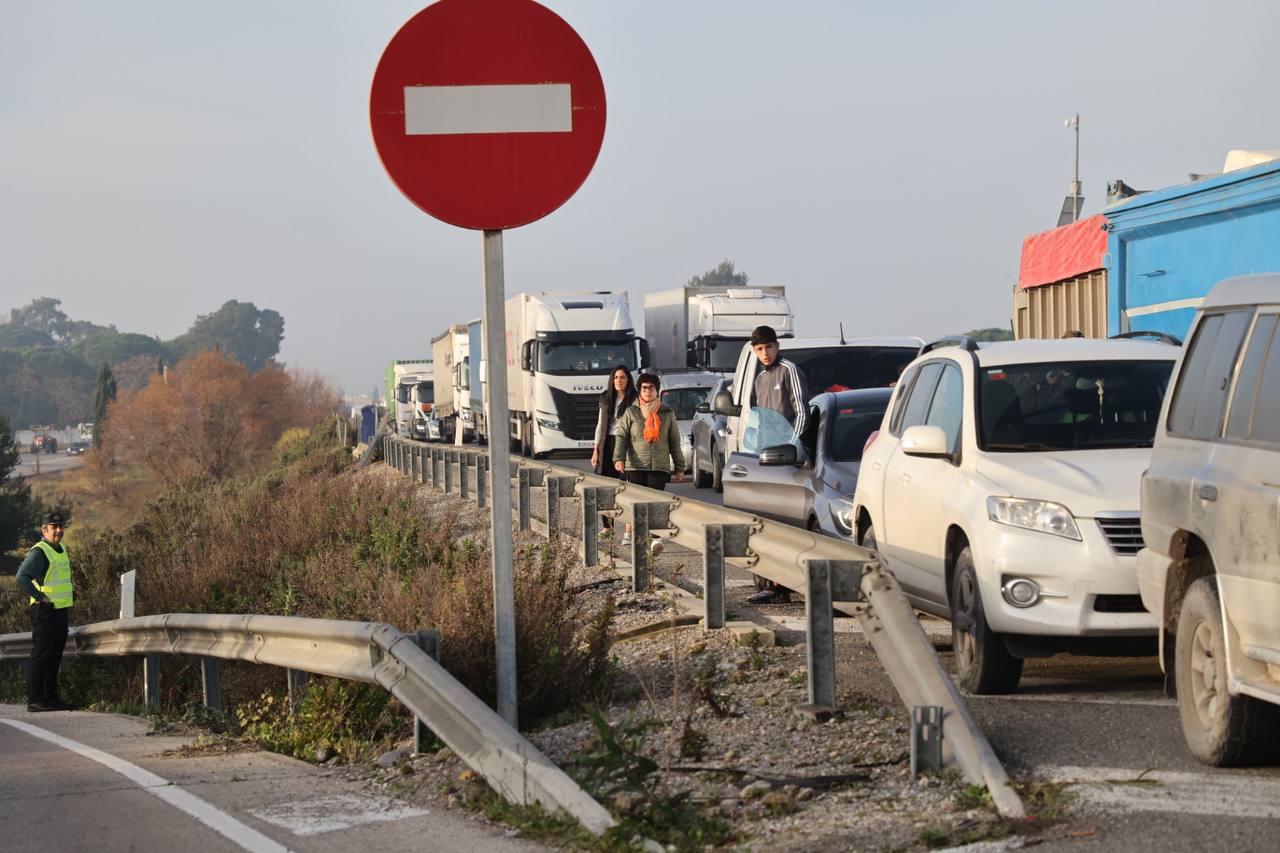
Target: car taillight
[[871, 439]]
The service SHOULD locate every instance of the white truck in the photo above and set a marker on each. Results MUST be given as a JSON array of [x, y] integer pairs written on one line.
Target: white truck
[[409, 384], [705, 327], [561, 348], [477, 385], [450, 351]]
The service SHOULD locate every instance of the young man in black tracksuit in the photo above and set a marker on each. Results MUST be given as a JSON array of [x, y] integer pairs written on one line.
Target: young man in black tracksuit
[[779, 387]]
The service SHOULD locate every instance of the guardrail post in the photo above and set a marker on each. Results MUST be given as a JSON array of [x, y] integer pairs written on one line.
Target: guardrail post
[[647, 516], [429, 642], [553, 506], [926, 738], [722, 540], [437, 468], [151, 681], [482, 472], [527, 478], [829, 581], [595, 499], [211, 682], [422, 465], [464, 486], [298, 680]]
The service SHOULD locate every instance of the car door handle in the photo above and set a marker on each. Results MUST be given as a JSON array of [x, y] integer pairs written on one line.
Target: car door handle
[[1208, 493], [905, 478], [737, 471]]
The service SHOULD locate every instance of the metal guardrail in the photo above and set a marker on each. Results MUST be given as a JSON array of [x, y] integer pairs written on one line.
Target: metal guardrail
[[852, 581], [371, 652]]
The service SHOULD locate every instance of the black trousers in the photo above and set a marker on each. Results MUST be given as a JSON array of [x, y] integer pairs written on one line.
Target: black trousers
[[48, 639], [652, 479]]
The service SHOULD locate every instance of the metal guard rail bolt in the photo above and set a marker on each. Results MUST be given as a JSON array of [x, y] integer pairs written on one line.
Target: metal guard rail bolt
[[781, 553], [371, 652]]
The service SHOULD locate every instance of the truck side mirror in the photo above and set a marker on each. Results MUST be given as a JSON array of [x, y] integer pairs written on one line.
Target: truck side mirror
[[724, 405], [644, 353], [526, 357]]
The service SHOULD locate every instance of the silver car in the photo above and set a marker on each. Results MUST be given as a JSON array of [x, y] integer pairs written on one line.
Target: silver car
[[809, 482], [707, 439], [683, 391]]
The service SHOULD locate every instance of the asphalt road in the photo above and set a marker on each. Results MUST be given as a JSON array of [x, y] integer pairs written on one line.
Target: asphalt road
[[49, 463], [82, 781]]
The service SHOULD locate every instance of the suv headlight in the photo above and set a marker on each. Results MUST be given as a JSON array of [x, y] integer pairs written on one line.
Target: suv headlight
[[842, 515], [1044, 516]]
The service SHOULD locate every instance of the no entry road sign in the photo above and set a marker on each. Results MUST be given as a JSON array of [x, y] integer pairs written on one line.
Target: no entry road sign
[[487, 114]]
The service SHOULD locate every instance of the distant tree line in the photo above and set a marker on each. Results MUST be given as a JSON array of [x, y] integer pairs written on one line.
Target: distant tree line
[[52, 367]]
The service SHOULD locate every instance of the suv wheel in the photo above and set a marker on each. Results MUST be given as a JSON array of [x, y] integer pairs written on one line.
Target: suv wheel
[[701, 479], [1220, 729], [983, 663]]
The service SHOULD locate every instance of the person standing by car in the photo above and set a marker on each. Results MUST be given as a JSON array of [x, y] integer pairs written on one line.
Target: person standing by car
[[614, 402], [45, 577], [647, 447], [779, 388]]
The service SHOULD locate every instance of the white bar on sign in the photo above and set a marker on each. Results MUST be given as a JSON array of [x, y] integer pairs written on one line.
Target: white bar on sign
[[537, 108]]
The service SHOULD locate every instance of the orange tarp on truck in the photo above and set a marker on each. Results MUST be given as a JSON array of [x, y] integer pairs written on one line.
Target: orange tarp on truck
[[1063, 253]]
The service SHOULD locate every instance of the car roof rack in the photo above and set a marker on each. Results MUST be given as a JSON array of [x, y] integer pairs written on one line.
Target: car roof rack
[[963, 341], [1159, 336]]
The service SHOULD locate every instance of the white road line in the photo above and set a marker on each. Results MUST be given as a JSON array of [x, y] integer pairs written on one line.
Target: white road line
[[1170, 791], [441, 110], [211, 816]]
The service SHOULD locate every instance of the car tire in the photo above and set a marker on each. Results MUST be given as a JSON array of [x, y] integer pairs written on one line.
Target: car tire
[[983, 664], [1220, 729], [717, 471], [701, 479]]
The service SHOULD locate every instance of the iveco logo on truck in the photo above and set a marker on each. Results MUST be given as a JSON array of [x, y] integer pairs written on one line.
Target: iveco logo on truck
[[593, 388]]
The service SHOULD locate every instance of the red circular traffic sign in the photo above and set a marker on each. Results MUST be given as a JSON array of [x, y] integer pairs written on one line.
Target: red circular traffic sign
[[487, 114]]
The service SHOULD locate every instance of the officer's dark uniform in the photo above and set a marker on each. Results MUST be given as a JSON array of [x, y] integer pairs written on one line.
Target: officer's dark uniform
[[45, 577]]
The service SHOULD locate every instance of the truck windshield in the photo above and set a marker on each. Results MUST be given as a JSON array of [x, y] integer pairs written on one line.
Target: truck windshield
[[426, 392], [1070, 405], [844, 368], [723, 353], [566, 357], [684, 401]]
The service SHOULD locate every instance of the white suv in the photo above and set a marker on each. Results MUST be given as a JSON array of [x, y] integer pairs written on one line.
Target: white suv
[[1210, 570], [1002, 492]]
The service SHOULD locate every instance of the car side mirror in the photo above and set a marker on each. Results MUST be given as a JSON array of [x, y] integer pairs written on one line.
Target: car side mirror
[[781, 454], [703, 408], [724, 405], [925, 440]]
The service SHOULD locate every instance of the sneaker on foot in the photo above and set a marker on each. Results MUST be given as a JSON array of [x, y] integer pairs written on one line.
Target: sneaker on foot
[[656, 548], [772, 595], [37, 707], [626, 538]]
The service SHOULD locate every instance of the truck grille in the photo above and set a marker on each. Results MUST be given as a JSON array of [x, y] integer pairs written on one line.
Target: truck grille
[[577, 413], [1123, 532]]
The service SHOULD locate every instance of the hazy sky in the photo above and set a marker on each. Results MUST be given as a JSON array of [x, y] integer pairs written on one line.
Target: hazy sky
[[884, 161]]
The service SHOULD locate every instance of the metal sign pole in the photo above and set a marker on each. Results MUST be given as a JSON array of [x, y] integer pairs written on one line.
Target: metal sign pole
[[504, 594]]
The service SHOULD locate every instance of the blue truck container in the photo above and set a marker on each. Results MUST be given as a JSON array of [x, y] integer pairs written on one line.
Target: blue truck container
[[1166, 249]]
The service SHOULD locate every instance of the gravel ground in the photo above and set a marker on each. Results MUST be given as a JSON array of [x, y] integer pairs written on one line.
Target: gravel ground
[[721, 722]]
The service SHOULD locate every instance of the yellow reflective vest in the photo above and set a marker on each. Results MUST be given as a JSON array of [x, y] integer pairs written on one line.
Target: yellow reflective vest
[[57, 578]]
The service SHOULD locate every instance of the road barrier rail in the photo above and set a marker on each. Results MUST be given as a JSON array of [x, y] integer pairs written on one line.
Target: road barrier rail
[[370, 652], [830, 573]]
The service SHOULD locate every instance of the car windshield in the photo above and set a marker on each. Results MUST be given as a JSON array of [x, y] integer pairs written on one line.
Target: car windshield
[[426, 392], [1071, 405], [850, 428], [724, 353], [684, 401], [567, 357], [843, 368]]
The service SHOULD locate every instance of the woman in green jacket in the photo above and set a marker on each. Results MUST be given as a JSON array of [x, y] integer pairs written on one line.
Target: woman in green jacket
[[647, 448]]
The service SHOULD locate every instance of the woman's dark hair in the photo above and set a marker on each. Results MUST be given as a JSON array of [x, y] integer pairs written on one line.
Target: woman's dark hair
[[608, 397]]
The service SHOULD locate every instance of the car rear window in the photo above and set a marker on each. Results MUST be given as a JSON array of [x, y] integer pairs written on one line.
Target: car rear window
[[850, 428]]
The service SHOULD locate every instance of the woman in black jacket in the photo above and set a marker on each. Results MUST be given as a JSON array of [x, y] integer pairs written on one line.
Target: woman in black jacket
[[614, 400]]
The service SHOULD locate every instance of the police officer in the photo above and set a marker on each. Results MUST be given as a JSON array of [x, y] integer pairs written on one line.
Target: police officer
[[45, 578]]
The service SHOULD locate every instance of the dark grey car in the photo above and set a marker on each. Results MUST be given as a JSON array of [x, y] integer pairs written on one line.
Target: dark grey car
[[810, 482], [707, 441]]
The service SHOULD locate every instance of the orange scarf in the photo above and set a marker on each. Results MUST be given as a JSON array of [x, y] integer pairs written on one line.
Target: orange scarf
[[652, 423]]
